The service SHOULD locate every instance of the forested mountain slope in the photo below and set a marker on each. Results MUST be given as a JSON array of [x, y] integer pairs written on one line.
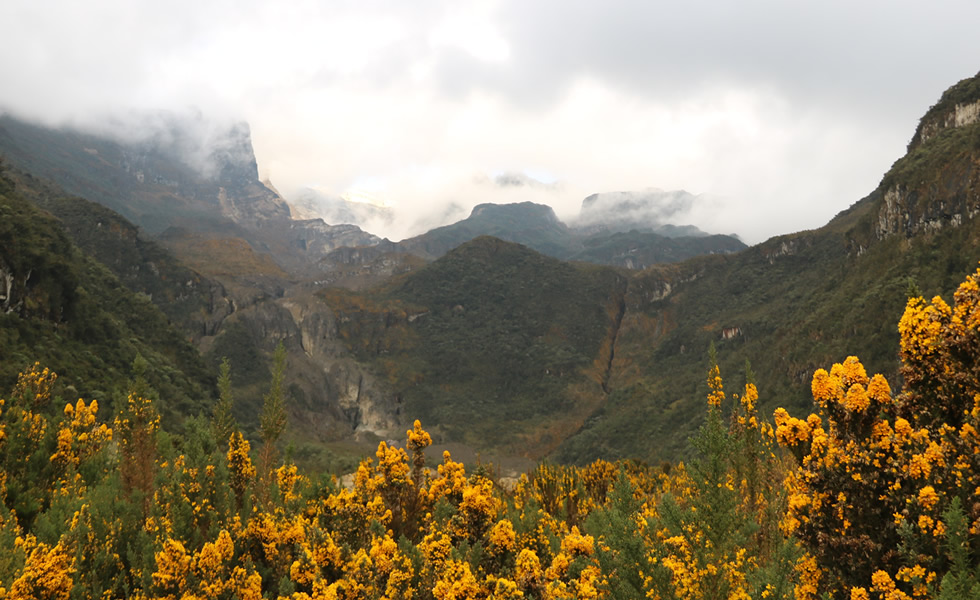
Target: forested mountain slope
[[72, 314], [536, 226]]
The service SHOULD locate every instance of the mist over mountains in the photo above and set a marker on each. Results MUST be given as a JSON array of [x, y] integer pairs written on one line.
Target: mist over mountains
[[220, 152], [666, 213], [655, 209]]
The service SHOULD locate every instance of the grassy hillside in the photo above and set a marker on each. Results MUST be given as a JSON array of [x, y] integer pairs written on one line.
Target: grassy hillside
[[788, 317]]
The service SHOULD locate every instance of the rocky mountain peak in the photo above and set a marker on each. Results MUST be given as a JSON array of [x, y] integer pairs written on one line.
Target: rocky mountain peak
[[231, 155], [518, 210]]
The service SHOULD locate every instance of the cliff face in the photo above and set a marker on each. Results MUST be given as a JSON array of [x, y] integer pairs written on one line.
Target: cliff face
[[902, 211], [158, 171], [937, 183], [219, 171]]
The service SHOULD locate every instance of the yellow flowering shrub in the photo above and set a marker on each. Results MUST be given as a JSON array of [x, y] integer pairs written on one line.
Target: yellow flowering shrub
[[715, 532], [240, 467], [872, 496], [528, 571], [136, 429], [79, 438], [46, 573]]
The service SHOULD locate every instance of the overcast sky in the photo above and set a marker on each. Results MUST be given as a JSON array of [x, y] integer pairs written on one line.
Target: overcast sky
[[781, 112]]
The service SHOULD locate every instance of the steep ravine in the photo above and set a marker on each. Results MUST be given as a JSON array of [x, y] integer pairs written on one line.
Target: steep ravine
[[613, 336]]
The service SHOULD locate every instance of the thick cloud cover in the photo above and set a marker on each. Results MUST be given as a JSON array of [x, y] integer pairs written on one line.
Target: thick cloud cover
[[778, 114]]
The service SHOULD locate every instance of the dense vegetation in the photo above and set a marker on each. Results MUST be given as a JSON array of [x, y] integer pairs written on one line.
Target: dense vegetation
[[791, 312], [190, 301], [875, 495], [442, 335]]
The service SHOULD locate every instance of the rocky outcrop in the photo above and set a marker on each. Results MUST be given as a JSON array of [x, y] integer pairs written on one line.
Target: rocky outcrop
[[960, 115], [728, 333], [779, 247], [913, 211], [205, 162], [320, 239], [8, 303]]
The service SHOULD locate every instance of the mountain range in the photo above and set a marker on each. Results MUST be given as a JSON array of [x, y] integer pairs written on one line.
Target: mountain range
[[509, 332]]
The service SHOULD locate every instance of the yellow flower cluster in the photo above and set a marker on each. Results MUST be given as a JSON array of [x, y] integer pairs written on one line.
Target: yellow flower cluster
[[502, 536], [790, 431], [418, 438], [240, 467], [928, 497], [79, 437], [33, 387], [207, 573], [921, 327], [576, 544], [287, 479], [716, 392], [397, 532]]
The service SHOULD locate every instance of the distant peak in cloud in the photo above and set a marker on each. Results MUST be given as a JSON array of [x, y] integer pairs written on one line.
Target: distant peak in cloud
[[647, 208], [351, 208]]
